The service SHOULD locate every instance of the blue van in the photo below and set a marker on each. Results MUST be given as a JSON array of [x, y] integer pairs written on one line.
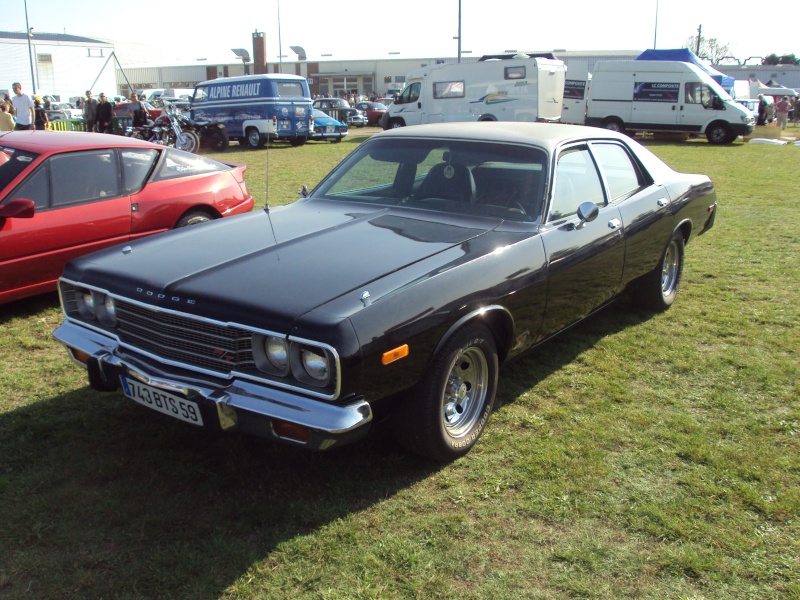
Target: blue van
[[255, 108]]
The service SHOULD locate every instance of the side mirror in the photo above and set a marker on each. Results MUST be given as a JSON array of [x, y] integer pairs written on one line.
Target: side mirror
[[17, 208], [587, 212]]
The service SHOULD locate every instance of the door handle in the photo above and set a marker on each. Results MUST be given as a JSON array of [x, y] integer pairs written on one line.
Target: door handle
[[662, 202], [614, 224]]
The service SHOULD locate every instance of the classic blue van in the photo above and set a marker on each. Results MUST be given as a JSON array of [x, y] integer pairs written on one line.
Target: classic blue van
[[255, 108]]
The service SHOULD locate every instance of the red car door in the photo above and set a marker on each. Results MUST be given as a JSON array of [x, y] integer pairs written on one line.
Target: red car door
[[80, 207]]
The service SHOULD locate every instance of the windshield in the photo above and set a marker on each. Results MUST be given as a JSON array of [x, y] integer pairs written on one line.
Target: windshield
[[454, 176]]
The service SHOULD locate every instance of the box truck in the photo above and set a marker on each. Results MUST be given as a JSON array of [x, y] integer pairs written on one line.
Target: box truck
[[516, 89], [660, 95]]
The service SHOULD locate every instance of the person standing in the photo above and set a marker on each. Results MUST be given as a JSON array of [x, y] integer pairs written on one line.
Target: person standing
[[762, 110], [104, 114], [89, 111], [40, 115], [6, 120], [782, 112], [23, 105]]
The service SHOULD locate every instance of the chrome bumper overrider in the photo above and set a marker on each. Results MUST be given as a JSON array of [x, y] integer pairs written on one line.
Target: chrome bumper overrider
[[235, 404]]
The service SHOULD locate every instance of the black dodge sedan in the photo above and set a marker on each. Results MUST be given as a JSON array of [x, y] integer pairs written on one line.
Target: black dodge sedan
[[396, 288]]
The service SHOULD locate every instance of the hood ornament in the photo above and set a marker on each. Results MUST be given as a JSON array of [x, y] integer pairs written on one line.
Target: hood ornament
[[366, 299]]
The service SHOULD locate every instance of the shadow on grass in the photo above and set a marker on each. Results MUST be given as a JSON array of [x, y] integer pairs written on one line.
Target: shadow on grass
[[102, 498], [28, 307]]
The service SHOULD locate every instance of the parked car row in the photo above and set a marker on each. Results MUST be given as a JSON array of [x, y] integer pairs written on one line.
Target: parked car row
[[339, 109]]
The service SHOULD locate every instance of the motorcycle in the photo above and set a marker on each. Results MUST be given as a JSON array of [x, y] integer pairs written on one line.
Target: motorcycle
[[212, 135], [166, 130]]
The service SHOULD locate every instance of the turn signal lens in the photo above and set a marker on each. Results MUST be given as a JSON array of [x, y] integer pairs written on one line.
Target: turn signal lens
[[395, 354]]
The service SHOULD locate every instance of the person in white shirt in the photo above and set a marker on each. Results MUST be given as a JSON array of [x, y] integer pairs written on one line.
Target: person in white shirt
[[24, 107]]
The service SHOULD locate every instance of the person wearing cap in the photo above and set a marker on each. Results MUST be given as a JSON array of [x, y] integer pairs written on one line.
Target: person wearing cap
[[104, 114]]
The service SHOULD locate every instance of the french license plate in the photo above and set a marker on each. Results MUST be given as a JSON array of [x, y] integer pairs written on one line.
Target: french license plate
[[161, 401], [330, 129]]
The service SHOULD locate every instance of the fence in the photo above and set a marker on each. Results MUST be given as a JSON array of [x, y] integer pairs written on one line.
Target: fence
[[118, 124]]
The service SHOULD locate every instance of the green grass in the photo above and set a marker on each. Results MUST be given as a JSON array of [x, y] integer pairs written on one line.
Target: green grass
[[635, 456]]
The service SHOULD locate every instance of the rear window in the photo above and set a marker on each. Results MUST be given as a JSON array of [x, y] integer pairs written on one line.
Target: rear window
[[12, 163], [290, 89], [177, 163]]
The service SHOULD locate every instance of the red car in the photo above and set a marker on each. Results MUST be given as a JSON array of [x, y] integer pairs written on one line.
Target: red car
[[373, 110], [125, 109], [65, 194]]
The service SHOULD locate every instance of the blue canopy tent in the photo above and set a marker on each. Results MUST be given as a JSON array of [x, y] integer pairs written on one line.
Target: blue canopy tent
[[686, 55]]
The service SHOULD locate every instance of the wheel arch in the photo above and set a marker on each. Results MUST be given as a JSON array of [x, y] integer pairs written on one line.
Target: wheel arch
[[685, 229], [497, 318], [204, 208]]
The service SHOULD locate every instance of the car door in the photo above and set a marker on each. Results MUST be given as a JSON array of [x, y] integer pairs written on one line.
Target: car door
[[700, 105], [584, 260], [643, 205], [80, 207]]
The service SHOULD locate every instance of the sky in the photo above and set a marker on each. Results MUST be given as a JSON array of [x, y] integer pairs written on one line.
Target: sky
[[349, 29]]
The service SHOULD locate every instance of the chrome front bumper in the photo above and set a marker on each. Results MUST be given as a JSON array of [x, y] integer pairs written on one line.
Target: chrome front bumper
[[233, 405]]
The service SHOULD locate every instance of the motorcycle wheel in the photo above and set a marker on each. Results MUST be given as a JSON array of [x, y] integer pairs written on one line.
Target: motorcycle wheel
[[187, 141], [218, 140]]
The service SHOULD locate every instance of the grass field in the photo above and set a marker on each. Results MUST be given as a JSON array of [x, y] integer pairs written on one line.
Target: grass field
[[635, 456]]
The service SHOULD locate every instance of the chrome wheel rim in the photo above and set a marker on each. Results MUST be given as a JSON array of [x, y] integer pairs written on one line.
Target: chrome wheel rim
[[465, 392], [669, 272]]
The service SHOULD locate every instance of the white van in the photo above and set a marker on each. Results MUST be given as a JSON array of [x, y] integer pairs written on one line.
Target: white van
[[576, 92], [661, 95], [516, 89]]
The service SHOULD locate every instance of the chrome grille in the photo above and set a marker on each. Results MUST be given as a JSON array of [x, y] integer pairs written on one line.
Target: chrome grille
[[185, 339]]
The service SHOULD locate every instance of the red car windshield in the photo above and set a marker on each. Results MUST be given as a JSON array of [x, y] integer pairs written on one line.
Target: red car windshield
[[12, 163]]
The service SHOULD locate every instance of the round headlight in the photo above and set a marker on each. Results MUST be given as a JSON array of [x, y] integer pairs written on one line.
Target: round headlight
[[277, 352], [109, 311], [316, 365], [88, 302], [86, 305]]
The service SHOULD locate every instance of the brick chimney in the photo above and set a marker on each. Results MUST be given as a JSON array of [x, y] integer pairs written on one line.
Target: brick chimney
[[259, 53]]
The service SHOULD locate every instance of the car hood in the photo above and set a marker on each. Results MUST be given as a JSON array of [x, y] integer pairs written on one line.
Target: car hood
[[265, 269]]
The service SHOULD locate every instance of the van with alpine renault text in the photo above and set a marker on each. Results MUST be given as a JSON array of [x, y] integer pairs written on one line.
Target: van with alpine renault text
[[256, 108]]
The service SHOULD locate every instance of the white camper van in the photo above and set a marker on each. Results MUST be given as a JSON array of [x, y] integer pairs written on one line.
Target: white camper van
[[660, 95], [517, 89]]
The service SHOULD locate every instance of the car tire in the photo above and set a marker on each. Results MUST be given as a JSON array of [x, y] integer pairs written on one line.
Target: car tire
[[254, 139], [297, 141], [443, 417], [194, 217], [720, 133], [614, 124], [396, 123], [218, 140], [659, 288]]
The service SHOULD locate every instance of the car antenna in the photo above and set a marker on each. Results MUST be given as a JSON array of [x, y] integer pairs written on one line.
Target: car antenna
[[266, 195]]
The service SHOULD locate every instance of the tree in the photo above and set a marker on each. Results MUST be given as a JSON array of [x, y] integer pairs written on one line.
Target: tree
[[709, 48], [786, 59]]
